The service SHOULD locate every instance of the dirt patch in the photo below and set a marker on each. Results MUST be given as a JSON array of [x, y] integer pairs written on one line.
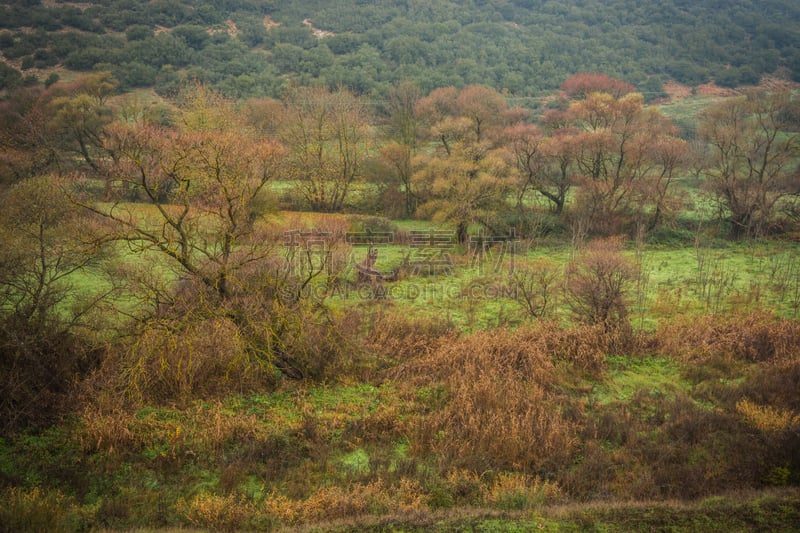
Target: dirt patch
[[233, 31], [269, 23], [230, 29], [712, 89], [777, 83], [319, 34], [83, 6], [677, 90]]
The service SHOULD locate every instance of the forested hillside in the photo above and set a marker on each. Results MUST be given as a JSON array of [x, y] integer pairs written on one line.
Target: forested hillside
[[259, 47]]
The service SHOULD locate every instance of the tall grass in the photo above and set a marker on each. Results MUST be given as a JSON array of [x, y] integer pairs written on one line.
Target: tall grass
[[503, 404]]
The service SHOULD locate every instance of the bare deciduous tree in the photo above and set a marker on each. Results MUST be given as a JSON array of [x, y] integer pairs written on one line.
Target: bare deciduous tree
[[751, 163], [598, 283], [328, 140], [49, 323]]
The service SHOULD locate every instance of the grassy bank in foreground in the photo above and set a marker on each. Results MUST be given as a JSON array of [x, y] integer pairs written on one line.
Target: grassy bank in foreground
[[776, 511], [506, 429]]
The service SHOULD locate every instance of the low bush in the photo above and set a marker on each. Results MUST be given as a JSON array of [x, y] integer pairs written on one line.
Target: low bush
[[654, 446], [110, 432], [501, 408], [599, 282], [216, 513], [39, 367], [37, 509], [371, 224], [755, 336], [173, 361], [332, 502], [512, 491], [397, 338]]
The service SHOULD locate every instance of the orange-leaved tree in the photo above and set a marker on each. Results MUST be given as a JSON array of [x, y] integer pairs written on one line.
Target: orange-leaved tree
[[465, 177], [626, 156], [191, 198], [202, 181], [544, 162], [583, 84]]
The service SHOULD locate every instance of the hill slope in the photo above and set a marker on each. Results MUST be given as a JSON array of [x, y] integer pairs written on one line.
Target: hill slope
[[257, 47]]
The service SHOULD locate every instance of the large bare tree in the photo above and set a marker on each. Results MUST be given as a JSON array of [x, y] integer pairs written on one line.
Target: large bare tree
[[50, 321], [626, 157], [328, 138], [202, 184], [402, 133], [752, 148]]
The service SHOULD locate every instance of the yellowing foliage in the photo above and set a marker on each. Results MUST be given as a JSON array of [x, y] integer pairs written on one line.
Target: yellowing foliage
[[767, 418]]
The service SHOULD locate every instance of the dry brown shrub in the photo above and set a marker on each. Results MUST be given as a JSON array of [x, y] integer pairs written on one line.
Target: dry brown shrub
[[108, 432], [517, 491], [40, 364], [655, 446], [216, 513], [766, 418], [776, 384], [593, 475], [501, 409], [464, 486], [490, 422], [204, 429], [639, 470], [240, 440], [333, 502], [42, 509], [495, 351], [599, 282], [526, 350], [172, 361], [756, 336], [535, 287], [215, 427], [583, 347], [282, 508], [385, 423], [399, 338], [702, 452], [774, 422]]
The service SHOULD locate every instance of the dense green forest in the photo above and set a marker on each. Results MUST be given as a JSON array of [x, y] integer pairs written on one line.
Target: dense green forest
[[258, 48]]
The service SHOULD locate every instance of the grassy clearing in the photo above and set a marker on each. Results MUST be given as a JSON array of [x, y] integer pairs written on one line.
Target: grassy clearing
[[628, 376], [471, 289], [474, 291], [685, 111]]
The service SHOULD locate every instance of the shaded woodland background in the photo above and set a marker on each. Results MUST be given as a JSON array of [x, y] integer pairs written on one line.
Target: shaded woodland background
[[527, 48]]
